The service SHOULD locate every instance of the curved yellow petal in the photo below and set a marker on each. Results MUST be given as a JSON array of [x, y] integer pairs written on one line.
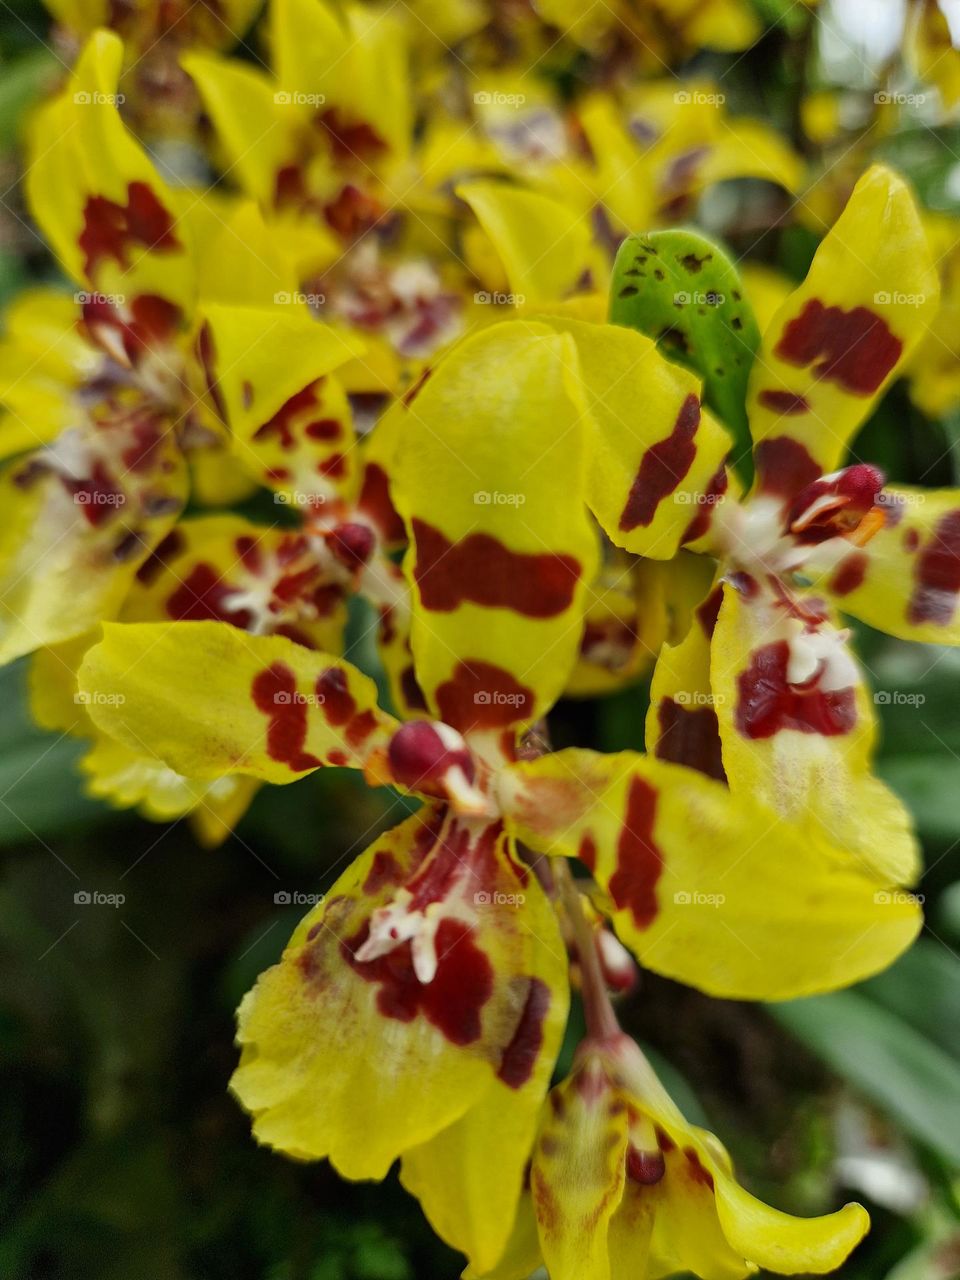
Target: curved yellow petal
[[906, 580], [499, 568], [706, 887], [805, 748], [839, 339], [207, 699], [782, 1243], [543, 243]]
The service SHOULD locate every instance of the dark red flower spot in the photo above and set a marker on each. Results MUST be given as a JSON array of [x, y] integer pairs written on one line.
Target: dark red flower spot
[[850, 574], [587, 853], [716, 488], [274, 692], [767, 704], [783, 402], [481, 695], [520, 1055], [639, 859], [202, 596], [854, 349], [453, 1002], [110, 230], [662, 468], [479, 569], [690, 736], [374, 501], [703, 1177], [784, 466], [937, 574], [337, 701]]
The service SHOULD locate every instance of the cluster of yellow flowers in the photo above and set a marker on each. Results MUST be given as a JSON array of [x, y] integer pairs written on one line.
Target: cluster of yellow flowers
[[425, 299]]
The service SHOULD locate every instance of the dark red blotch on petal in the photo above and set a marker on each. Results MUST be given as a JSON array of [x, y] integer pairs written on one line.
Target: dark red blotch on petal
[[479, 569], [690, 736], [937, 574], [662, 468], [520, 1055], [786, 403], [274, 692], [767, 704], [854, 349], [784, 466], [452, 1002], [111, 229], [481, 695], [639, 859]]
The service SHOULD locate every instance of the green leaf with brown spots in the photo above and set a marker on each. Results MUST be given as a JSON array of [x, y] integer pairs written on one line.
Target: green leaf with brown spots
[[682, 289]]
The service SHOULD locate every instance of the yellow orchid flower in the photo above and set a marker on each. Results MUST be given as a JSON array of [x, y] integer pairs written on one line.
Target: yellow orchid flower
[[621, 1184], [467, 1008]]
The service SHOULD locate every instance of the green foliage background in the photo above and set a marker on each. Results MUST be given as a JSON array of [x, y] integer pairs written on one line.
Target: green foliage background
[[123, 1155]]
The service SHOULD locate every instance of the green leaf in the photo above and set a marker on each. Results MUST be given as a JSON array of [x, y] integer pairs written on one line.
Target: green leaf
[[682, 289], [884, 1057], [41, 792], [22, 82], [923, 988]]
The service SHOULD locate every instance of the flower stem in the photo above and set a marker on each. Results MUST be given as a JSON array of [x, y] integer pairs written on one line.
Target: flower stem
[[601, 1020]]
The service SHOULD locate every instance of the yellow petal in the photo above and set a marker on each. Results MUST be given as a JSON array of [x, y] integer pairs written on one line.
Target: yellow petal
[[544, 245], [706, 887], [499, 568], [906, 580], [469, 1178], [207, 699], [782, 1243], [362, 1057], [805, 748], [840, 338]]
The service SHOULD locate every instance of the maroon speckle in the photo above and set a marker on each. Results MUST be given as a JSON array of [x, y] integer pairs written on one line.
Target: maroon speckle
[[352, 212], [703, 1177], [520, 1055], [96, 495], [323, 429], [282, 424], [452, 1002], [645, 1167], [374, 501], [481, 695], [202, 596], [850, 574], [274, 693], [664, 1141], [412, 693], [166, 550], [360, 727], [716, 488], [384, 870], [854, 349], [587, 853], [937, 574], [349, 139], [690, 736], [662, 468], [709, 611], [783, 402], [249, 552], [338, 702], [110, 229], [479, 569], [784, 466], [639, 860], [767, 704], [911, 540]]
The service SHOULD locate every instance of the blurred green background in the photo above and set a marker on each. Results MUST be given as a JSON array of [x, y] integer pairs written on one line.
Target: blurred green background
[[123, 1156]]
